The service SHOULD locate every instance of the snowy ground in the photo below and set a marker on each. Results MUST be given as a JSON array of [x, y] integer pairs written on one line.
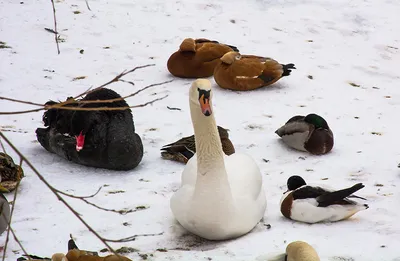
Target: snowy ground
[[337, 42]]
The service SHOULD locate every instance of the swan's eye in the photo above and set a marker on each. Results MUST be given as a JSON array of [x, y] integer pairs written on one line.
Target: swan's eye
[[204, 94], [204, 99]]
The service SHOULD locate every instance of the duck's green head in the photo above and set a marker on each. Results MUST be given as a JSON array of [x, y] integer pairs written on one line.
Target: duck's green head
[[317, 121]]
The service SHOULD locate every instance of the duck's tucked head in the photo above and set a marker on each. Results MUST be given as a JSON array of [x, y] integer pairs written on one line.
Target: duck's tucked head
[[295, 182], [201, 94], [230, 57], [317, 121], [188, 45]]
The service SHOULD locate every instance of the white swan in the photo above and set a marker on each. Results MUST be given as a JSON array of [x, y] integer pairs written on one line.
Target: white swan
[[221, 197]]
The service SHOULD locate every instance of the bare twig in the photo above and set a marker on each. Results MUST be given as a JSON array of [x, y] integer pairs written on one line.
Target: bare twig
[[116, 78], [173, 109], [9, 221], [19, 243], [84, 199], [2, 146], [132, 238], [56, 106], [50, 30], [56, 193], [87, 4], [21, 101], [62, 105], [55, 26], [122, 212], [78, 197]]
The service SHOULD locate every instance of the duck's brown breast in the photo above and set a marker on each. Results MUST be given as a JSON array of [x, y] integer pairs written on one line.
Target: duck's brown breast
[[286, 205], [320, 142]]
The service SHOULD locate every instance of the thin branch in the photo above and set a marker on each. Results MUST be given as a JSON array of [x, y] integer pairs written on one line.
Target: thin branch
[[20, 112], [78, 197], [87, 4], [19, 243], [57, 106], [2, 146], [55, 26], [56, 194], [21, 101], [116, 78], [122, 212], [9, 221], [50, 30], [84, 199], [62, 105], [132, 238]]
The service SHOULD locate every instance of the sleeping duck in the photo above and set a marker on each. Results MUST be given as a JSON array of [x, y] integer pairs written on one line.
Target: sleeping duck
[[312, 204], [295, 251], [307, 133], [221, 197], [248, 72], [183, 149], [197, 58], [101, 139], [10, 173]]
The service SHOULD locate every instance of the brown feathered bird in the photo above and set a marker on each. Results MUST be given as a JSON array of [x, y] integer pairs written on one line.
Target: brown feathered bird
[[248, 72], [197, 58], [182, 150]]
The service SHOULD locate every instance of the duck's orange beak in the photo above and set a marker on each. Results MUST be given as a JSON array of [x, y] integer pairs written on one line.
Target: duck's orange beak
[[80, 141], [205, 105]]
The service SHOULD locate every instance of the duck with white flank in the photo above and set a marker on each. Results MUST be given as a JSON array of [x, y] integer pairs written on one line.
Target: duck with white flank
[[221, 197], [96, 138], [316, 204], [307, 133]]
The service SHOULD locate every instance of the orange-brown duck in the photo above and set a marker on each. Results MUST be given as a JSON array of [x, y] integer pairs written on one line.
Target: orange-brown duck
[[248, 72], [197, 58]]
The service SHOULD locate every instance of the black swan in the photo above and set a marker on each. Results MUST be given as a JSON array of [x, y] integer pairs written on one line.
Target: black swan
[[102, 139]]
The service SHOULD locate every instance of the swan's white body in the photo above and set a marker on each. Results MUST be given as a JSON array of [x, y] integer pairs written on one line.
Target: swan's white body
[[221, 197]]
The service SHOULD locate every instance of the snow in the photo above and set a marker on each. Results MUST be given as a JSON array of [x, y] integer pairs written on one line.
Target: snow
[[337, 42]]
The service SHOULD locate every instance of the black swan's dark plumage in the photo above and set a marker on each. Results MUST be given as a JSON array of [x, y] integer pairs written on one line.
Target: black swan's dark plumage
[[110, 138]]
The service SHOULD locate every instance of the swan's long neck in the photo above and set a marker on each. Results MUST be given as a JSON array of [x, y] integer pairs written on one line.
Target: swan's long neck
[[210, 155], [212, 179]]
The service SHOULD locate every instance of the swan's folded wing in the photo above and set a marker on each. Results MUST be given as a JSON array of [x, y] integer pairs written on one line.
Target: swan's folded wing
[[189, 174], [244, 175]]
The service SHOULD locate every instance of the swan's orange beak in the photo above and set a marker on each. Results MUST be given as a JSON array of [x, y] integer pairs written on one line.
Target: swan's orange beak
[[80, 141], [205, 105]]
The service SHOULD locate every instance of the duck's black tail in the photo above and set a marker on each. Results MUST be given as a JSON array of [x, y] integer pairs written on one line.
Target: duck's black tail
[[336, 196], [72, 245], [287, 69], [233, 48]]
